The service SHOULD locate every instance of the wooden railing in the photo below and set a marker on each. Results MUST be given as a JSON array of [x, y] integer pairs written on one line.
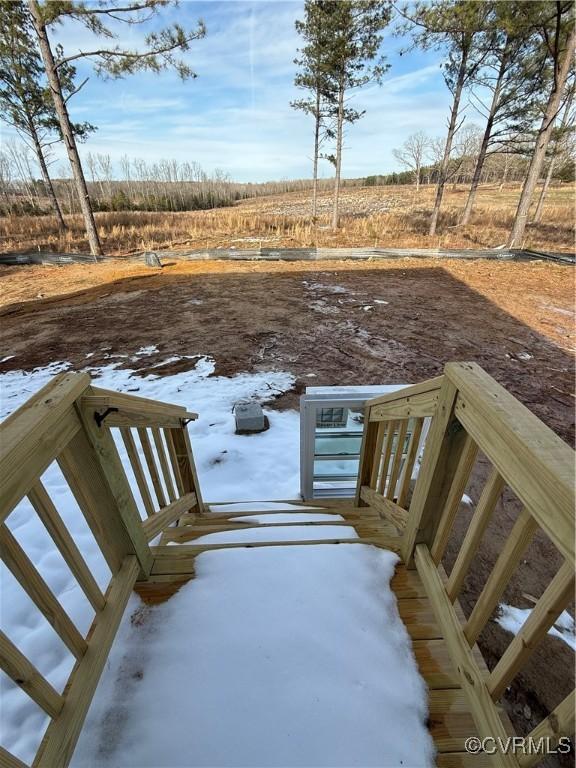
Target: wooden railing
[[73, 423], [469, 412]]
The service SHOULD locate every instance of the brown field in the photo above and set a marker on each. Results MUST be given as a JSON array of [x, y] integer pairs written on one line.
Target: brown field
[[371, 216]]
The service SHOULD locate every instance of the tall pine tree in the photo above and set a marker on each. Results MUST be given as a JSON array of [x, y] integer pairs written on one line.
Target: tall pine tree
[[161, 49], [25, 102], [314, 78]]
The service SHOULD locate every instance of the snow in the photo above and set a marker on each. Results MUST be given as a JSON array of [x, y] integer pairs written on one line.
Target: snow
[[292, 656], [282, 533], [347, 658], [512, 619], [229, 467], [290, 517]]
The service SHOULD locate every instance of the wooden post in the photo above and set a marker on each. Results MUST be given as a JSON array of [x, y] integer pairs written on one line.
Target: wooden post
[[185, 459], [367, 456], [108, 458], [444, 446]]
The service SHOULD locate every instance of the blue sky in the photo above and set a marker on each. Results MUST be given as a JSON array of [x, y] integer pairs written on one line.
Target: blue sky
[[236, 115]]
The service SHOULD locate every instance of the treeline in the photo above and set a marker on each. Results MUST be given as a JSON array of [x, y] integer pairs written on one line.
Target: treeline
[[166, 185], [499, 168], [509, 62]]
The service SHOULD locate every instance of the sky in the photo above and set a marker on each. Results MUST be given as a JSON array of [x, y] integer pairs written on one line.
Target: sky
[[236, 114]]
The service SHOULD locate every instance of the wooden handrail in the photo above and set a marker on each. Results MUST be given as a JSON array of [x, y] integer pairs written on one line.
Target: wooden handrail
[[70, 422], [532, 459], [470, 412]]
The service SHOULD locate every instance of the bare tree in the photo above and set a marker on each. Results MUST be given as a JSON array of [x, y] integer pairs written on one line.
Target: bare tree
[[412, 153]]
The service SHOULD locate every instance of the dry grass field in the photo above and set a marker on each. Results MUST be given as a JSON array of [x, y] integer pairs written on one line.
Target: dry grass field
[[371, 216]]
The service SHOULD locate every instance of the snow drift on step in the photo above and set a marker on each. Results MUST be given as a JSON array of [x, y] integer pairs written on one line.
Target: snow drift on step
[[290, 656]]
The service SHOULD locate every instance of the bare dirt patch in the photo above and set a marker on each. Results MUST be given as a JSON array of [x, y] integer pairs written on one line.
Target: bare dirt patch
[[335, 323]]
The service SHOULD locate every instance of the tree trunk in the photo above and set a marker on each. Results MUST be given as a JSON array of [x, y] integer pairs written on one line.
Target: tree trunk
[[46, 177], [417, 177], [565, 116], [560, 75], [340, 128], [485, 142], [316, 151], [448, 147], [66, 128]]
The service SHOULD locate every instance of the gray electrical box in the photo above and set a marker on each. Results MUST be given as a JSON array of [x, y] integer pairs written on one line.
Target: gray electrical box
[[249, 418]]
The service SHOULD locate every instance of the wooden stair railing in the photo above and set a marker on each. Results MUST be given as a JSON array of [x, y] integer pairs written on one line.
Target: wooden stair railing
[[72, 423], [469, 412]]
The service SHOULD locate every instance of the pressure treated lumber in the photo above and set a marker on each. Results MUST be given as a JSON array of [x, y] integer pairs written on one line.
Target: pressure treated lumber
[[558, 723], [25, 674], [411, 456], [32, 435], [62, 734], [136, 464], [159, 521], [514, 547], [557, 595], [531, 458], [483, 709], [38, 591], [465, 465], [55, 526], [391, 511], [152, 467], [395, 471], [125, 509], [480, 519]]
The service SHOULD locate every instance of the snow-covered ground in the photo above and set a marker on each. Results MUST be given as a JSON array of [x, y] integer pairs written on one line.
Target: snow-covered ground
[[512, 620], [289, 656], [226, 463]]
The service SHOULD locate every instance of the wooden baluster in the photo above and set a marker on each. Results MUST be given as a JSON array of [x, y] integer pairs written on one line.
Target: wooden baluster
[[555, 599], [459, 482], [174, 462], [397, 459], [393, 425], [558, 723], [163, 463], [136, 464], [367, 456], [25, 674], [39, 592], [486, 504], [55, 526], [151, 464], [409, 463], [513, 549], [377, 453]]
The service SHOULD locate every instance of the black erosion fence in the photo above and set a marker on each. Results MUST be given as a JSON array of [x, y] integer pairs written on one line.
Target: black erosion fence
[[154, 258]]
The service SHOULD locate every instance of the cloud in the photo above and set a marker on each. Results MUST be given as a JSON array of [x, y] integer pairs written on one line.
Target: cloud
[[236, 115]]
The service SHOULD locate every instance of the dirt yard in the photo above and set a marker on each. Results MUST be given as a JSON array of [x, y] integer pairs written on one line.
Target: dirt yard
[[391, 216], [335, 323]]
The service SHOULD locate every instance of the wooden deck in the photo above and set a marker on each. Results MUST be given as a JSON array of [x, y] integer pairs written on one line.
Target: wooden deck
[[450, 720]]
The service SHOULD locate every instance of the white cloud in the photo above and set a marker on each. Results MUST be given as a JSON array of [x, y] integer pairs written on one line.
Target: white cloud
[[236, 115]]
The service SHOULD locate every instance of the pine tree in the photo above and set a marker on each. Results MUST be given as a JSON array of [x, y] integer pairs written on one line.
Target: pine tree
[[161, 52], [352, 60], [25, 102], [512, 74], [455, 26], [554, 24]]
